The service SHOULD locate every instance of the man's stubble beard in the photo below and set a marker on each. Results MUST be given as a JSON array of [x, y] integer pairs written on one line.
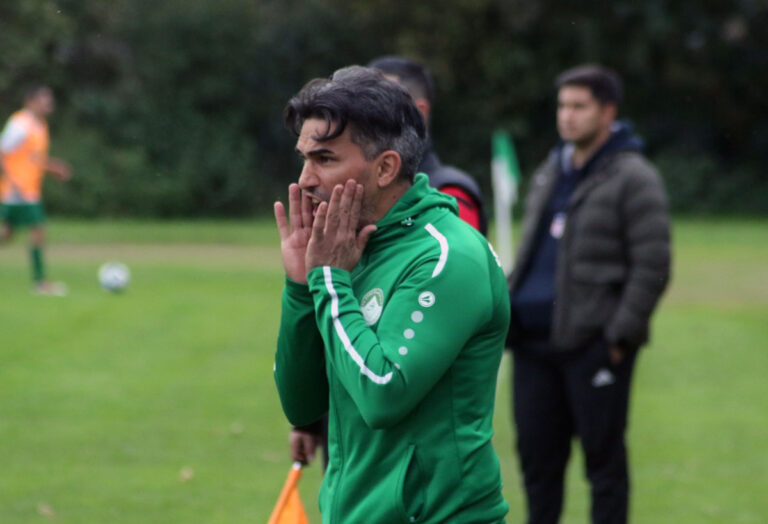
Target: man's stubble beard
[[588, 140]]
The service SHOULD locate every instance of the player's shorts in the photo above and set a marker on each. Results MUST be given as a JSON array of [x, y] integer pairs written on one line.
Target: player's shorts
[[22, 215]]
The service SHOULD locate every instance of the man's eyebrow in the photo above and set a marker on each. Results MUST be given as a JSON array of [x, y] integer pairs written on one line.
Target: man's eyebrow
[[314, 152]]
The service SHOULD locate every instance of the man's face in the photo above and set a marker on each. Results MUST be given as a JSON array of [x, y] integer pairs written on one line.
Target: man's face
[[580, 117], [42, 102], [333, 162]]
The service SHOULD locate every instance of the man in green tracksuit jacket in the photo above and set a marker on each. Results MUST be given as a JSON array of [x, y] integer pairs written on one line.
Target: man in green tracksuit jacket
[[394, 314]]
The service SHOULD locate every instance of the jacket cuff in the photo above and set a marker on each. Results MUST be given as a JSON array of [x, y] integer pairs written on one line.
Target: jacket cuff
[[297, 292], [315, 428]]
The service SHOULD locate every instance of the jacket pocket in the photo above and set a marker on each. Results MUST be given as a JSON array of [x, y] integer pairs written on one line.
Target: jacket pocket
[[593, 294], [410, 488]]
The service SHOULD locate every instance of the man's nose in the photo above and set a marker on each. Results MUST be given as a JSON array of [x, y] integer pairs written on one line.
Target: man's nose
[[568, 112], [307, 178]]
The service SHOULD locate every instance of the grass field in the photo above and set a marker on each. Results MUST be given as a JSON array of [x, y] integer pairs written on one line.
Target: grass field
[[158, 405]]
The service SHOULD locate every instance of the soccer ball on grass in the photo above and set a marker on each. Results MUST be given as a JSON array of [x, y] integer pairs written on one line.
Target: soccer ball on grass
[[114, 276]]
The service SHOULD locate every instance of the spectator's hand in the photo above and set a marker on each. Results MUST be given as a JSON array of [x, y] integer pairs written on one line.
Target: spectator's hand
[[616, 354], [303, 446], [294, 233], [335, 241]]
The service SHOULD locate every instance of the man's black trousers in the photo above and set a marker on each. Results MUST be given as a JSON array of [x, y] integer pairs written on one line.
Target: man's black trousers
[[557, 397]]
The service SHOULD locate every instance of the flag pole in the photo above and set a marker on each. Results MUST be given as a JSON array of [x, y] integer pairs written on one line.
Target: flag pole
[[505, 176]]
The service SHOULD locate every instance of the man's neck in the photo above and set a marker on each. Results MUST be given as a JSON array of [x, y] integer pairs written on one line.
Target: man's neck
[[583, 152], [34, 115], [390, 198]]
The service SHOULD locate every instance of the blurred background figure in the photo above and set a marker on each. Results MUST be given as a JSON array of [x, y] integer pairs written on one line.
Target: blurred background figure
[[24, 148], [417, 80], [593, 261]]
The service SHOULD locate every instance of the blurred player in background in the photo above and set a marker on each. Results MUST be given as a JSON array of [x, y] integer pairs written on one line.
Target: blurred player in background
[[24, 150], [417, 80]]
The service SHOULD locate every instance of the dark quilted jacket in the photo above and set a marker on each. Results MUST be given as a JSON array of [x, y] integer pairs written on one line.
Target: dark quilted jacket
[[614, 257]]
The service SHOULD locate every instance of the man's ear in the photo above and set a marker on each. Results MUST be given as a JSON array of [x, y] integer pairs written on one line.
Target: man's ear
[[422, 104], [610, 112], [388, 168]]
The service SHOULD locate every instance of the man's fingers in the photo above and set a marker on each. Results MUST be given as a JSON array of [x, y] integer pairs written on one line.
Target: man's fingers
[[306, 211], [298, 456], [357, 204], [345, 207], [294, 207], [310, 442], [303, 445], [332, 218], [282, 223], [318, 227], [616, 355], [298, 453], [365, 234]]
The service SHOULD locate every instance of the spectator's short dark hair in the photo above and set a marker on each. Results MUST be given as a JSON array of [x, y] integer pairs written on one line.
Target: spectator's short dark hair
[[605, 84], [415, 77], [380, 114]]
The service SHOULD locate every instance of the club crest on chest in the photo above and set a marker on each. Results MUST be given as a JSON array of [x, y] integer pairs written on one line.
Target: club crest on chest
[[372, 305]]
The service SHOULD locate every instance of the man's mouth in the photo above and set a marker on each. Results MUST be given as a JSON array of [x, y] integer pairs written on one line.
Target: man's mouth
[[315, 202]]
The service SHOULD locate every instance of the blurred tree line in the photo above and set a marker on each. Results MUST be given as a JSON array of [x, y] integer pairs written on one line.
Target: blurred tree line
[[173, 107]]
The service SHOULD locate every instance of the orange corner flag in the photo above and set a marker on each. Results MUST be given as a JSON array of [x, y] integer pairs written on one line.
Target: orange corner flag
[[289, 509]]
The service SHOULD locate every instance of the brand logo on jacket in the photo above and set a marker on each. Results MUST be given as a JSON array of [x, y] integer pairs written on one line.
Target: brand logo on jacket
[[557, 227], [372, 305], [427, 299], [603, 378]]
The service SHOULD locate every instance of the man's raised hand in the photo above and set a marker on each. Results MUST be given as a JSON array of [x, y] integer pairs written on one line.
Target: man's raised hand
[[295, 232], [335, 240]]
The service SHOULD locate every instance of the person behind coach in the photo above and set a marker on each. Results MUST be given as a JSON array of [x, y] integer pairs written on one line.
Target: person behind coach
[[417, 80]]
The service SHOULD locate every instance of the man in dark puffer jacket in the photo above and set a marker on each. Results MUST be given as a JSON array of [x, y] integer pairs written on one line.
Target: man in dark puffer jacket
[[592, 264]]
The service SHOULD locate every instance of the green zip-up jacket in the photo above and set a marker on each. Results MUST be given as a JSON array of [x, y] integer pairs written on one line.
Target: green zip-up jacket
[[403, 354]]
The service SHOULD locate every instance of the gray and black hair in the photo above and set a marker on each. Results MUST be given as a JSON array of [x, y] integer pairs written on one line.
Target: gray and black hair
[[380, 114], [605, 84]]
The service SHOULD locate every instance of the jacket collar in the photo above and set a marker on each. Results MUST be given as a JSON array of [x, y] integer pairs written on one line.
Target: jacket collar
[[412, 209]]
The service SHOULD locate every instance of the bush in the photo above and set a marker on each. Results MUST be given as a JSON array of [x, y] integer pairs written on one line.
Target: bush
[[698, 184]]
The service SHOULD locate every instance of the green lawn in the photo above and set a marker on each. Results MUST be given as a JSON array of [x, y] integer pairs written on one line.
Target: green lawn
[[158, 405]]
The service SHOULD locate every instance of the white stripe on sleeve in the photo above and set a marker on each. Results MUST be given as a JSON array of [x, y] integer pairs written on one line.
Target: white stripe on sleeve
[[377, 379], [443, 248]]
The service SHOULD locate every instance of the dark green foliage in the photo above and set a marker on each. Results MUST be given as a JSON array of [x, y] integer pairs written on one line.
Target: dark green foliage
[[174, 108]]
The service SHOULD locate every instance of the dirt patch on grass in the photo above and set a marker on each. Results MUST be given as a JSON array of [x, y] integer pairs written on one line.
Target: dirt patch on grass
[[187, 254]]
